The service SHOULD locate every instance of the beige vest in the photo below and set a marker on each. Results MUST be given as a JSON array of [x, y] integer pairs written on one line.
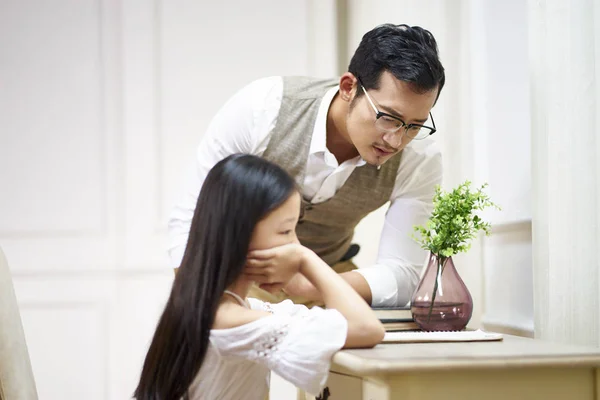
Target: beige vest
[[326, 228]]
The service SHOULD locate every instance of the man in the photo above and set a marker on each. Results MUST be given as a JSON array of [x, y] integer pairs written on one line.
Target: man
[[352, 144]]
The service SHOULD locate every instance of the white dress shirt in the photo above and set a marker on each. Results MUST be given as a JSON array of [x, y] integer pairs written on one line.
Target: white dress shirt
[[244, 125]]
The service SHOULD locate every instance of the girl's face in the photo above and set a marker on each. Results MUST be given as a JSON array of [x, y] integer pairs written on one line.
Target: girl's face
[[279, 226]]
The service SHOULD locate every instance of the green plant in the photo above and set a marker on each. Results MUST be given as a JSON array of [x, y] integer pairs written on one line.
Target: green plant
[[453, 224]]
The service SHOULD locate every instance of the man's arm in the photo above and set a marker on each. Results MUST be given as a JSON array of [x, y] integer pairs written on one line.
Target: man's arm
[[359, 283], [240, 126], [394, 277]]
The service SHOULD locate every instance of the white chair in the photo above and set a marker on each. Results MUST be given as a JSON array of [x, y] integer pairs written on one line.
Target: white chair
[[16, 376]]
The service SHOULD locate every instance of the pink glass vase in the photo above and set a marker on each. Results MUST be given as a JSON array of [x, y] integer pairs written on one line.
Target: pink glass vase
[[442, 301]]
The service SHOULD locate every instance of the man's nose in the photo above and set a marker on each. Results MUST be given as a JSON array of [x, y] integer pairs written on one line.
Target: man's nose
[[395, 139]]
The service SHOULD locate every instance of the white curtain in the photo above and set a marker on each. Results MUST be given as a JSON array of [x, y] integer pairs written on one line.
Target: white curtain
[[564, 73]]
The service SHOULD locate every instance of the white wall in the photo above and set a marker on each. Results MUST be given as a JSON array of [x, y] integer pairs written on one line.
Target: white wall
[[501, 134], [104, 102], [484, 132], [436, 17], [102, 106], [449, 23], [565, 85]]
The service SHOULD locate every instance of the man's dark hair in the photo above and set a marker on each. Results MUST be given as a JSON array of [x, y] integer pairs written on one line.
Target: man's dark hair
[[409, 53]]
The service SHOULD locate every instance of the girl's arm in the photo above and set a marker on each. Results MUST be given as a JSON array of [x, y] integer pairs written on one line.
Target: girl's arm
[[276, 266], [364, 328]]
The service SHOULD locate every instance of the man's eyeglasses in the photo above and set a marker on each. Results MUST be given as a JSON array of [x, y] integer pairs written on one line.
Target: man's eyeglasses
[[392, 124]]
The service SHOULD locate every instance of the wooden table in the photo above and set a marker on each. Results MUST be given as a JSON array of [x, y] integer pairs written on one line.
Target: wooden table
[[515, 368]]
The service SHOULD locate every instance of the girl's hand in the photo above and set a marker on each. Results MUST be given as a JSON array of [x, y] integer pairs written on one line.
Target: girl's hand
[[274, 267]]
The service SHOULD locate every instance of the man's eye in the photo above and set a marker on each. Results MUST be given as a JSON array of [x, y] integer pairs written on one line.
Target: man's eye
[[391, 121], [286, 232]]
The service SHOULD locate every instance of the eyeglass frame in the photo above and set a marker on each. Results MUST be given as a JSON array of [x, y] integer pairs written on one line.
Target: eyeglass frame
[[379, 114]]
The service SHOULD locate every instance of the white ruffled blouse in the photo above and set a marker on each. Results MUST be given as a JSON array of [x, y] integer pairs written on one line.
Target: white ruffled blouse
[[295, 342]]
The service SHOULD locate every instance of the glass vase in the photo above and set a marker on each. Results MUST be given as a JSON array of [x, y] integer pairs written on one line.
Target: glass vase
[[441, 301]]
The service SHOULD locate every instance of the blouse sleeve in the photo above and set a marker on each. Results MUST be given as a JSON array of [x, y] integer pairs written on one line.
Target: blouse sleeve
[[286, 307], [298, 346]]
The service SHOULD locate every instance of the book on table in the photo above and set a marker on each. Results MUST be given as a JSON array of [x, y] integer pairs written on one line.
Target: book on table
[[396, 318], [395, 314], [402, 325]]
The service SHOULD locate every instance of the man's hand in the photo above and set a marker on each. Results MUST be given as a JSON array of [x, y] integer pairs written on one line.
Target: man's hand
[[273, 268]]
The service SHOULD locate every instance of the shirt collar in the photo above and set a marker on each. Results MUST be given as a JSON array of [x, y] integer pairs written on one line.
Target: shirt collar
[[318, 142]]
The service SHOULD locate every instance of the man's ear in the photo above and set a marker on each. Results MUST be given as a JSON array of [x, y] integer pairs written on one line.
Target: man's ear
[[348, 86]]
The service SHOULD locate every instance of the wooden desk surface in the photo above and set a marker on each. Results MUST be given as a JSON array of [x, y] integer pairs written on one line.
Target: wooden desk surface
[[512, 352]]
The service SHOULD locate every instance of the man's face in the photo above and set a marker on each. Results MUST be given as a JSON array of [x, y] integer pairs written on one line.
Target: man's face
[[393, 97]]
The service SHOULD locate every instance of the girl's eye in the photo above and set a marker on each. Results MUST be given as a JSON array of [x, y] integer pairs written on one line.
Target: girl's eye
[[286, 232]]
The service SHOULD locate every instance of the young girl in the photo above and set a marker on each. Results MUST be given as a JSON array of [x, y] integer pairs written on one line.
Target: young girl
[[213, 343]]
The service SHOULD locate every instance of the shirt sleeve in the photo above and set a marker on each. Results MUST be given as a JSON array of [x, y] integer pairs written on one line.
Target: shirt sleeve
[[242, 125], [297, 347], [400, 259]]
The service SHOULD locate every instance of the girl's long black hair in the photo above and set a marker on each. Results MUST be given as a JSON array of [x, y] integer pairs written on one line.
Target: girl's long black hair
[[238, 192]]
